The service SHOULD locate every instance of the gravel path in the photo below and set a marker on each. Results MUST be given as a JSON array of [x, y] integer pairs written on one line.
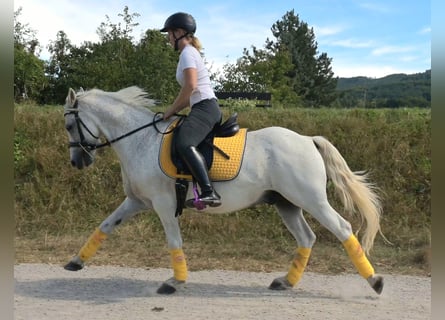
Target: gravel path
[[107, 293]]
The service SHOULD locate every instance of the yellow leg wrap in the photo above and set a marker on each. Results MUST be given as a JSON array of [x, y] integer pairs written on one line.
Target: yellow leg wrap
[[297, 268], [91, 246], [179, 264], [358, 257]]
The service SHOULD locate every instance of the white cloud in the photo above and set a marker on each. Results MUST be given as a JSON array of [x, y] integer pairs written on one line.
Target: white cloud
[[327, 31], [377, 7], [352, 43], [391, 49], [80, 19], [409, 58], [79, 24], [225, 36], [425, 30], [223, 30]]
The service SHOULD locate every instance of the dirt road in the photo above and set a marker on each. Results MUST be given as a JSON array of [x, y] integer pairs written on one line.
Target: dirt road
[[108, 293]]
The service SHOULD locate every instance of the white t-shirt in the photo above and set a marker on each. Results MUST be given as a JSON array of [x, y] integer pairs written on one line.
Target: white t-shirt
[[191, 58]]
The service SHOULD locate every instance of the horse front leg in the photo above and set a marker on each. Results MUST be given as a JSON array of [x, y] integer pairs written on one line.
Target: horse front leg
[[166, 211], [128, 208], [180, 273]]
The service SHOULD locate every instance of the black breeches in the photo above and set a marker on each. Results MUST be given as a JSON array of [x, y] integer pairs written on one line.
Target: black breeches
[[197, 125]]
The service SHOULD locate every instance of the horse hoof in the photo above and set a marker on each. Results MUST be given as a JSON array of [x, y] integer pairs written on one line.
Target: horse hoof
[[280, 284], [376, 283], [73, 266], [165, 288], [170, 286]]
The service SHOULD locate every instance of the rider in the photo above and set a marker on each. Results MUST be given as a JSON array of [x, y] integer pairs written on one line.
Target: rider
[[196, 91]]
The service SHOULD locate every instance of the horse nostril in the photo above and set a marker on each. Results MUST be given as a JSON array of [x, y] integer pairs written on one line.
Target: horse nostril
[[73, 163]]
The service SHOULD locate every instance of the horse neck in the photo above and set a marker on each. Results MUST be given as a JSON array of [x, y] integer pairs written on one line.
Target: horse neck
[[119, 118]]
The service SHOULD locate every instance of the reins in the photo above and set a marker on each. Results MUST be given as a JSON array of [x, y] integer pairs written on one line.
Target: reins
[[89, 146]]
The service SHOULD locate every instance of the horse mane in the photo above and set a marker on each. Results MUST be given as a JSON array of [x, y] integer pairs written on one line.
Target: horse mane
[[133, 96]]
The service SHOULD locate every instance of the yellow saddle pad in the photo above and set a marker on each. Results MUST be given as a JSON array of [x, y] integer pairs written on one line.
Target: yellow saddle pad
[[222, 169]]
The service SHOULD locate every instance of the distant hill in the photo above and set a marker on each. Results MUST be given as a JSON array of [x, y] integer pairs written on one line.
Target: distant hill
[[393, 91]]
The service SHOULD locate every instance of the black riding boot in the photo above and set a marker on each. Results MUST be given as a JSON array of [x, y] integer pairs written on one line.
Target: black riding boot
[[197, 165]]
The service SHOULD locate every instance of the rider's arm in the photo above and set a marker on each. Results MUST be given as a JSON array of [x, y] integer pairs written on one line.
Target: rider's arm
[[182, 101]]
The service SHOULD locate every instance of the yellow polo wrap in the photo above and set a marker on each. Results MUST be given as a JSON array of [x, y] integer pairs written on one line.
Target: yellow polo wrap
[[91, 246], [358, 257], [179, 264], [298, 265]]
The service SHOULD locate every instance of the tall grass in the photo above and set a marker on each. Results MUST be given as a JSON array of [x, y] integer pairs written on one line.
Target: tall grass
[[54, 200]]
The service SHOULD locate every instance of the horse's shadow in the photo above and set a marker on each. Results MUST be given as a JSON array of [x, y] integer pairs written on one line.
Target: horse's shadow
[[110, 290], [87, 290]]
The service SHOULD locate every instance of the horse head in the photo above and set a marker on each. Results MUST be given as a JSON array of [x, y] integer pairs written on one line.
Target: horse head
[[82, 133]]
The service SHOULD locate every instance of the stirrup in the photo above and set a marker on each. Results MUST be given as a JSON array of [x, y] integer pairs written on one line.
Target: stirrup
[[211, 202], [200, 203]]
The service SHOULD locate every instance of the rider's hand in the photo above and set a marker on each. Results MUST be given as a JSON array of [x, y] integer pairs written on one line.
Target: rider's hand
[[168, 113]]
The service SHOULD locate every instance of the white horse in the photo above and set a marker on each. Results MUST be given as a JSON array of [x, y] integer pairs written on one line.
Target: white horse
[[279, 167]]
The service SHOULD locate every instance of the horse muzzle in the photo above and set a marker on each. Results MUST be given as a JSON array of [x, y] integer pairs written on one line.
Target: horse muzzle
[[81, 158]]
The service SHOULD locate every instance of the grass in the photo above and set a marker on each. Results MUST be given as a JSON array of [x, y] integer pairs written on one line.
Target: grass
[[57, 207]]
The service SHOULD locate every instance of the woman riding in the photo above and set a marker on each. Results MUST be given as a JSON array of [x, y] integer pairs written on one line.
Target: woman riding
[[196, 91]]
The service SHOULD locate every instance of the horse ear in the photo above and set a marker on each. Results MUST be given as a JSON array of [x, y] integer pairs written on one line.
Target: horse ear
[[71, 97]]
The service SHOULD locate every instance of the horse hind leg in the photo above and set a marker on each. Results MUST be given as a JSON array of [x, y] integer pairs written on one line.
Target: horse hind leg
[[357, 194], [362, 264], [294, 220], [341, 228]]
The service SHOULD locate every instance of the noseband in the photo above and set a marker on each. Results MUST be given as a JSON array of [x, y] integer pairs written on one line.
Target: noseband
[[84, 144]]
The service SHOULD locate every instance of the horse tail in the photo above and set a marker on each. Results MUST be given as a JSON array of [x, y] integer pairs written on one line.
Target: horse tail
[[353, 188]]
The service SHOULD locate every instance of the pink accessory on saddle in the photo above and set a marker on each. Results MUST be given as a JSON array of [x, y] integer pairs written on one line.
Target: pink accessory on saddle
[[198, 204]]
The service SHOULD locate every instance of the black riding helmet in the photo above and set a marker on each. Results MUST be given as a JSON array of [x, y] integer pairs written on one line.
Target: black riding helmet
[[180, 20]]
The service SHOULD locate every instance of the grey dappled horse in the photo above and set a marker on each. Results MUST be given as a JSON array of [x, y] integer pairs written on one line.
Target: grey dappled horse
[[280, 167]]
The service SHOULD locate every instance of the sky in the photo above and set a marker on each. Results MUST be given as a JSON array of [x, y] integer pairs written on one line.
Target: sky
[[371, 38]]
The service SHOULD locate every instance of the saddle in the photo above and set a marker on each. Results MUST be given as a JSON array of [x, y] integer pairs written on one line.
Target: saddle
[[223, 150]]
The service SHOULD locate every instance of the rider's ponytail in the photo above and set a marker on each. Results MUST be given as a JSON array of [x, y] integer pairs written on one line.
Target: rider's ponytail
[[194, 41]]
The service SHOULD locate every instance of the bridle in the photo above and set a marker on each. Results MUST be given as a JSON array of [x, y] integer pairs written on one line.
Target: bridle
[[87, 146]]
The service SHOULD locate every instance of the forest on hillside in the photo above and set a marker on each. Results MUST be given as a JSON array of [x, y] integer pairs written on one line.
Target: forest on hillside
[[392, 91]]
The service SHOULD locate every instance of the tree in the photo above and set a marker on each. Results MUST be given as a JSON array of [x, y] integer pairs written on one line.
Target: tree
[[24, 36], [312, 76], [260, 70], [29, 77], [110, 63], [247, 75], [108, 31], [107, 65], [58, 69], [115, 62], [287, 66], [154, 66]]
